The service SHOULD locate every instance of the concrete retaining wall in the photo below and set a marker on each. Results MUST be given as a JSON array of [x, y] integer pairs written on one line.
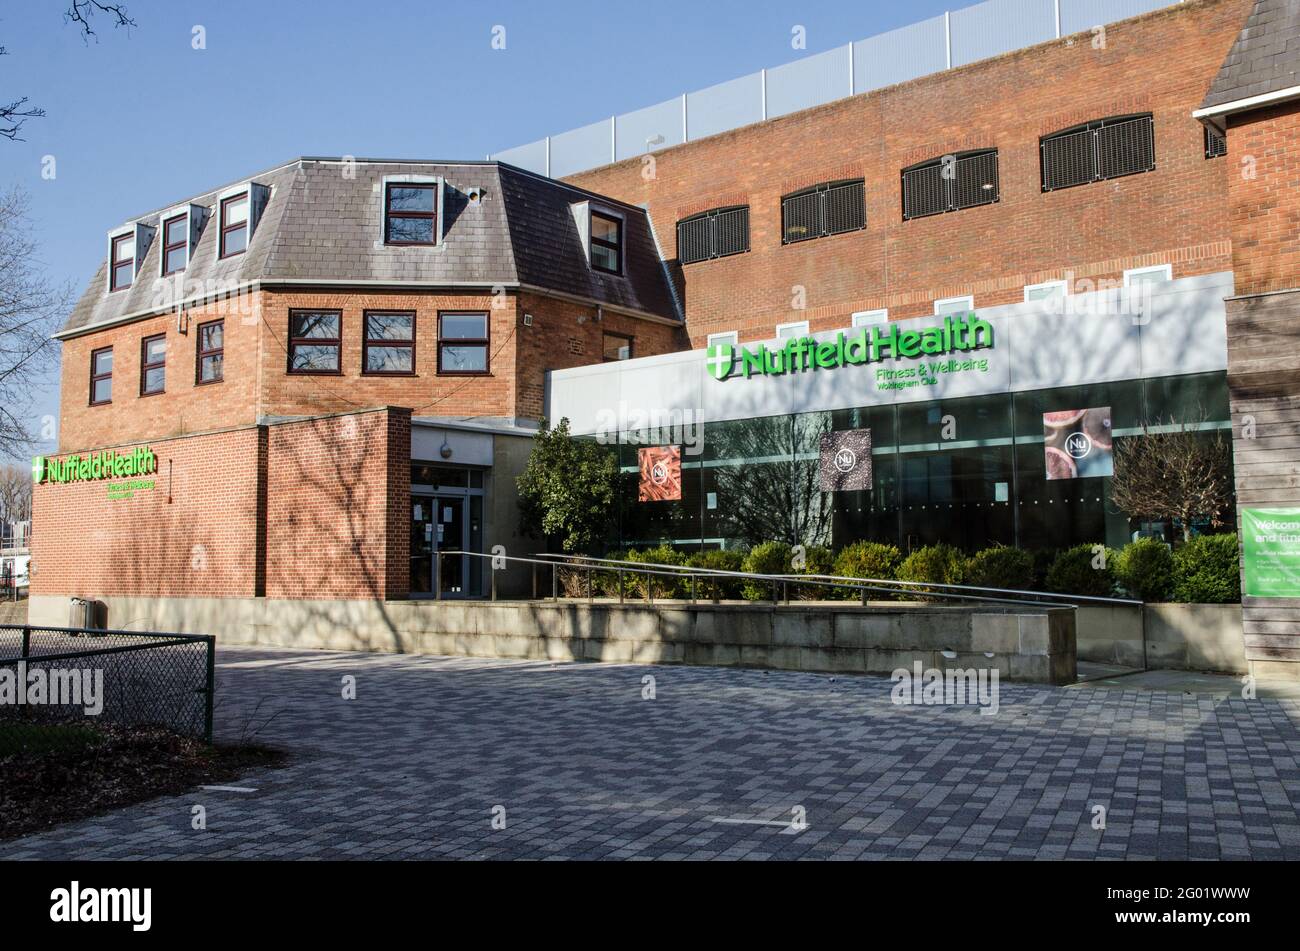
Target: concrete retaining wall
[[1030, 645], [1178, 636]]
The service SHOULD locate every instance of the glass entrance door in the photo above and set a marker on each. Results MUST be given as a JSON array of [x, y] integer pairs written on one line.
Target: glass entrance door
[[422, 542], [449, 535]]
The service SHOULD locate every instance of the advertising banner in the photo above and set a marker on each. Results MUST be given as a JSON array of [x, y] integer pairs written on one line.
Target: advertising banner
[[1270, 552], [1077, 443], [661, 473], [845, 463]]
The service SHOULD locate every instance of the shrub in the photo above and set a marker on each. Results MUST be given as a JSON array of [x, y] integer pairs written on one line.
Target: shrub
[[1073, 573], [942, 564], [1043, 559], [1146, 569], [1206, 570], [718, 559], [818, 560], [1001, 567], [769, 558], [868, 560], [661, 586]]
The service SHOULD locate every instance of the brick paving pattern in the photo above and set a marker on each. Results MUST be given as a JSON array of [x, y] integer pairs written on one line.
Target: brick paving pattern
[[710, 768]]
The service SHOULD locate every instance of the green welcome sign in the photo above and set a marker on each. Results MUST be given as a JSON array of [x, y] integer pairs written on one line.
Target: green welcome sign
[[1270, 550], [94, 466], [957, 334]]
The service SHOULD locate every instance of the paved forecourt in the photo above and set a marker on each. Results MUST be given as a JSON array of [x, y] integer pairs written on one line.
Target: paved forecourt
[[466, 758]]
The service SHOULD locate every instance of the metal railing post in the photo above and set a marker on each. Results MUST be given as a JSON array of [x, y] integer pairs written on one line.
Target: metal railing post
[[494, 580], [775, 592], [555, 582], [785, 590], [437, 576], [591, 592], [620, 586], [692, 589], [864, 596], [649, 587], [534, 566], [210, 689]]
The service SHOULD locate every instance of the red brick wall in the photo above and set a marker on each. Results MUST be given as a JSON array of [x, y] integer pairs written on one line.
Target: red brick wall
[[1162, 63], [1264, 198], [184, 407], [566, 334], [193, 534], [334, 486]]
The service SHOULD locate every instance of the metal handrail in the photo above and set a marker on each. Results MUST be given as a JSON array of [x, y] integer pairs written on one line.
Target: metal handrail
[[691, 573]]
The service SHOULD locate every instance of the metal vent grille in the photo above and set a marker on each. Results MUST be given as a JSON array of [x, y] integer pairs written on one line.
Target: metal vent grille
[[713, 234], [1100, 150], [822, 211], [1216, 145], [972, 181]]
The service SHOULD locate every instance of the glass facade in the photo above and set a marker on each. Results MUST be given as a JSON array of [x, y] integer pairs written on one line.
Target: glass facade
[[969, 472]]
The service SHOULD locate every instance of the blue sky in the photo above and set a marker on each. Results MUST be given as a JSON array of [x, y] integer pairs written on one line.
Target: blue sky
[[139, 119]]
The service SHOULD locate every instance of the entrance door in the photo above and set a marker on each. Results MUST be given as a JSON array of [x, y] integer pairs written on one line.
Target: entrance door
[[422, 542], [449, 535]]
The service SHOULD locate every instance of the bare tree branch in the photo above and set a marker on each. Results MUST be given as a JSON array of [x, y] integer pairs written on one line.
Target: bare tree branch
[[83, 11]]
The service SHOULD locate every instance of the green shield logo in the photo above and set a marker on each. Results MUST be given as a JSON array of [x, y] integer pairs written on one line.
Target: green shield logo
[[719, 360], [38, 469]]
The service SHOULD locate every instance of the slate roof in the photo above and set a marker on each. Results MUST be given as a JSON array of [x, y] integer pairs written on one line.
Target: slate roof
[[321, 224], [1265, 57]]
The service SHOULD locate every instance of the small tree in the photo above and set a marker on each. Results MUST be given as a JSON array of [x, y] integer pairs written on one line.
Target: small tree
[[568, 490], [1173, 473]]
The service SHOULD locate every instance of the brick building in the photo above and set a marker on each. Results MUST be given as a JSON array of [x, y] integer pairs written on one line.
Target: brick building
[[1116, 206]]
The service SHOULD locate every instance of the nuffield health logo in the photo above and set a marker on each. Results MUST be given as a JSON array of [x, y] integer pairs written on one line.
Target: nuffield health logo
[[108, 464], [720, 358]]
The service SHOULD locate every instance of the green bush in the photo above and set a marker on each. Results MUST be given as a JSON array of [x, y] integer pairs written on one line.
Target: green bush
[[941, 564], [1206, 570], [1043, 560], [1001, 567], [661, 586], [1073, 573], [719, 559], [1146, 569], [818, 560], [868, 560], [769, 558], [605, 581]]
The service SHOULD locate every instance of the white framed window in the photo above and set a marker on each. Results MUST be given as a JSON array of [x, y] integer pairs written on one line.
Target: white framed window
[[954, 305], [1148, 275], [727, 336], [868, 318], [1046, 291], [797, 328]]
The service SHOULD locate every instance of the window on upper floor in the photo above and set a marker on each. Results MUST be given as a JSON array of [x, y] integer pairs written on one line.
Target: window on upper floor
[[831, 208], [462, 344], [153, 365], [101, 376], [315, 339], [234, 225], [1216, 146], [411, 213], [1155, 274], [713, 234], [950, 183], [122, 262], [796, 328], [728, 337], [867, 318], [1107, 148], [606, 243], [209, 364], [954, 305], [176, 244], [1046, 290], [388, 343], [615, 347]]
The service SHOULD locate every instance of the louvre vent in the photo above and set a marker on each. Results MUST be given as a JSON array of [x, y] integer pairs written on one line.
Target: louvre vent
[[1216, 146], [713, 234], [833, 208], [950, 184], [1100, 150]]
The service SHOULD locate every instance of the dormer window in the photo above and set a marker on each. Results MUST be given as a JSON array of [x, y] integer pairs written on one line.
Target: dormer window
[[410, 213], [234, 225], [606, 243], [176, 244], [122, 262]]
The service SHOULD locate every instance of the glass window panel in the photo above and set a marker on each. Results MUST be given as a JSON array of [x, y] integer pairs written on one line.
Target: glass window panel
[[124, 249], [411, 230], [102, 391], [235, 241], [175, 260], [316, 325], [174, 232], [604, 228], [154, 380], [617, 348], [211, 368], [464, 359], [236, 212], [410, 198], [389, 326], [211, 337], [464, 326], [122, 275], [388, 359], [602, 257], [309, 357], [103, 362], [155, 351]]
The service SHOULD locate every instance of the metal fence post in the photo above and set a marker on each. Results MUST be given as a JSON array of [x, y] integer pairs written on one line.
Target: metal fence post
[[210, 690], [494, 580], [27, 640], [437, 576]]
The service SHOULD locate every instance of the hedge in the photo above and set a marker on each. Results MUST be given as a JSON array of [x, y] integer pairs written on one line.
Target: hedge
[[1206, 570], [1146, 569]]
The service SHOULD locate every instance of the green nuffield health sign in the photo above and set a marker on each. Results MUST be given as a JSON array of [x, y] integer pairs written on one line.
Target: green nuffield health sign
[[957, 334], [94, 466], [1270, 552]]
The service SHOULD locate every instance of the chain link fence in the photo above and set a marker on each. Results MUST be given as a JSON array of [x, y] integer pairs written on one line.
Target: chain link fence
[[77, 677]]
